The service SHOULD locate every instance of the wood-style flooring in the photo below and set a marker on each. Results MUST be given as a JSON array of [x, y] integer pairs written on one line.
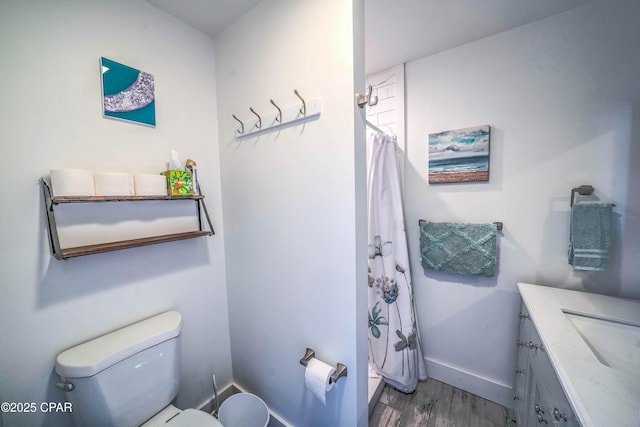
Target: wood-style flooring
[[435, 404]]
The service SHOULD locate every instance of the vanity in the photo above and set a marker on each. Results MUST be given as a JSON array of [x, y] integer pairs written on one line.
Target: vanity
[[578, 359]]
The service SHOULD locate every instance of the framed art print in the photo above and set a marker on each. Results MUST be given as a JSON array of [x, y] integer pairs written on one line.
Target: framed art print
[[127, 94], [460, 155]]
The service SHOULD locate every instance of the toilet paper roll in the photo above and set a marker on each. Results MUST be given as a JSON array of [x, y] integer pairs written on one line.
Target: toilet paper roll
[[150, 185], [317, 378], [72, 182], [113, 184]]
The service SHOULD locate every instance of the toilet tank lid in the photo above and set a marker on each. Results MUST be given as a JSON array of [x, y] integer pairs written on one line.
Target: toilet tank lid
[[92, 357]]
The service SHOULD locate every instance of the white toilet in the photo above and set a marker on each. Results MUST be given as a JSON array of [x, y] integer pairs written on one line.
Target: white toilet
[[129, 377]]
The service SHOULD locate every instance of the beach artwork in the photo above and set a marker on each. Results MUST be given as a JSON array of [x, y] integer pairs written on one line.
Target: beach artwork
[[459, 155], [127, 94]]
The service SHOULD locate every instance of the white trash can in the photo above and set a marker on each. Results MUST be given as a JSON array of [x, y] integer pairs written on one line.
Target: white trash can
[[244, 410]]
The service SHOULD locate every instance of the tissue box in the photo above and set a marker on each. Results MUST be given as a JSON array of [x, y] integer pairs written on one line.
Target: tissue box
[[179, 182]]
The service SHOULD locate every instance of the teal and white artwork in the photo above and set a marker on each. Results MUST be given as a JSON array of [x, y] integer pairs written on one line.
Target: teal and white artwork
[[460, 155], [127, 93]]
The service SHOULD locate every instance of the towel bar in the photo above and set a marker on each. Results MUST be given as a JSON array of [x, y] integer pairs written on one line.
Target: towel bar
[[583, 190], [499, 224]]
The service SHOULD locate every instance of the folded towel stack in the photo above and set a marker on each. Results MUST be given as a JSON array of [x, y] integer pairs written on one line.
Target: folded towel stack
[[590, 235], [468, 249]]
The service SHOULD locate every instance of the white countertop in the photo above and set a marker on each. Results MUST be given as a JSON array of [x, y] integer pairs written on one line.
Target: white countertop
[[600, 396]]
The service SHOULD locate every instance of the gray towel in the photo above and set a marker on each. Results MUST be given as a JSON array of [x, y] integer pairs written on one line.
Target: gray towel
[[468, 249], [590, 235]]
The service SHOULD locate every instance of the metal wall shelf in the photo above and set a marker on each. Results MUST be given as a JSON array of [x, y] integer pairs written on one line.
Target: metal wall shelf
[[66, 253]]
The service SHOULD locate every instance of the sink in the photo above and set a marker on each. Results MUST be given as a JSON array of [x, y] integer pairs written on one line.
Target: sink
[[615, 344]]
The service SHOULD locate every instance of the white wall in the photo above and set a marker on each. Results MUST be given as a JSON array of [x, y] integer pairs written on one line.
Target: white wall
[[51, 117], [294, 206], [562, 98]]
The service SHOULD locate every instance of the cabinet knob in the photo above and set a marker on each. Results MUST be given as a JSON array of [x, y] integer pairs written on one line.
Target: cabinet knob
[[521, 344], [523, 316], [541, 419], [521, 371], [516, 397], [538, 409], [533, 346]]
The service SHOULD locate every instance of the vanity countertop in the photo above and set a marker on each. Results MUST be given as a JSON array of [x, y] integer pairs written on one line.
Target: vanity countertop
[[600, 395]]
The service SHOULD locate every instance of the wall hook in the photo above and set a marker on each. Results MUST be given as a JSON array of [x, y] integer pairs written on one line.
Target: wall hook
[[259, 123], [241, 130], [303, 110], [279, 116], [367, 99]]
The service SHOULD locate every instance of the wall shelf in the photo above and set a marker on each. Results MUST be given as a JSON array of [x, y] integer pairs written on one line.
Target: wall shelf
[[77, 199], [66, 253]]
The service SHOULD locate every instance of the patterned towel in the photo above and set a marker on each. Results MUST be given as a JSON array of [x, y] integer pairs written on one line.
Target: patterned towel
[[458, 248]]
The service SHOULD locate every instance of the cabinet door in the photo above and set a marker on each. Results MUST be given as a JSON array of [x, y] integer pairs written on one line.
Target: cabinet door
[[548, 404], [521, 375]]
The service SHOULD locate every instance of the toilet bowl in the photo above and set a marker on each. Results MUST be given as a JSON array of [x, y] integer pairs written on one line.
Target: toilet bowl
[[129, 377]]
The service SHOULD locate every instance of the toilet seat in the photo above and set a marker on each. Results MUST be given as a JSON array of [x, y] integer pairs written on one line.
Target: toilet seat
[[193, 418], [174, 417]]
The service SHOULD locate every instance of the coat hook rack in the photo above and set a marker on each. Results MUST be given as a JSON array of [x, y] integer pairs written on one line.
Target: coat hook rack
[[366, 99], [341, 369], [241, 130], [283, 117]]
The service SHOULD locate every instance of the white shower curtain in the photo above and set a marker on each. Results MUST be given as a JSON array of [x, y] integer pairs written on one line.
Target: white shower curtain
[[394, 341]]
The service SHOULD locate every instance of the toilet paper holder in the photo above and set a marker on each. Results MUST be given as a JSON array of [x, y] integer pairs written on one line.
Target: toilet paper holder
[[341, 369]]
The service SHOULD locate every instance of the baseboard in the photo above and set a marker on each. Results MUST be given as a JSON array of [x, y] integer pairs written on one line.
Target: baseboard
[[209, 405], [484, 387], [374, 395]]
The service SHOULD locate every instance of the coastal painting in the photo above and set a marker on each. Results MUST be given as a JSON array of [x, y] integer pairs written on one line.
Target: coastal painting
[[460, 155], [127, 94]]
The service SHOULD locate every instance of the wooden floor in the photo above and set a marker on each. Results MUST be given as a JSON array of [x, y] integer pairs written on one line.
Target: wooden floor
[[435, 404]]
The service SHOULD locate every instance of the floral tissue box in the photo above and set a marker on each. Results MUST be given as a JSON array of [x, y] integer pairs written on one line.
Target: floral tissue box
[[179, 182]]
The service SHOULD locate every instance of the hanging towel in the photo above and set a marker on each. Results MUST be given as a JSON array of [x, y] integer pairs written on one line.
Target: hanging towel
[[590, 235], [468, 249]]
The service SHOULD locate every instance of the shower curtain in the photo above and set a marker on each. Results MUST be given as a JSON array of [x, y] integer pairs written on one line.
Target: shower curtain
[[394, 341]]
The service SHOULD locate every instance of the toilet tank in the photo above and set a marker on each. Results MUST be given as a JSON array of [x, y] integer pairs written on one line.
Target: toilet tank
[[124, 377]]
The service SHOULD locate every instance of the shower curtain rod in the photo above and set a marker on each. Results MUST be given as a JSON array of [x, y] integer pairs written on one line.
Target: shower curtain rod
[[374, 127]]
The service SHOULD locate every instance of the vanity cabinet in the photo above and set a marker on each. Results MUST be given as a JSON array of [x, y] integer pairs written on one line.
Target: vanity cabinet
[[537, 393]]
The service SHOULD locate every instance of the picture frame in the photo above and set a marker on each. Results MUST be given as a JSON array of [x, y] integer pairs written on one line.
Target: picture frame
[[459, 156], [127, 93]]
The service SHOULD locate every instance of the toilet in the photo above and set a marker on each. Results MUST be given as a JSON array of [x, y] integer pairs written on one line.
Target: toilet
[[129, 377]]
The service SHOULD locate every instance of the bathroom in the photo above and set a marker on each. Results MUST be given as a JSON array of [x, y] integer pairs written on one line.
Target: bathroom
[[286, 269]]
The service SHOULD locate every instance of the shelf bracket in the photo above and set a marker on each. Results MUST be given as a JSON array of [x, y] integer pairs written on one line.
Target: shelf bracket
[[51, 220]]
